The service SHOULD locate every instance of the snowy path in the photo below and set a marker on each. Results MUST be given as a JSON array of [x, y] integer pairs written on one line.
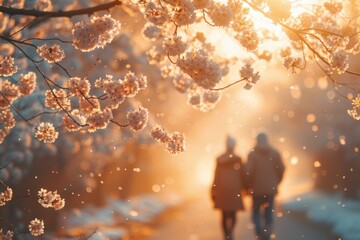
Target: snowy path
[[196, 220]]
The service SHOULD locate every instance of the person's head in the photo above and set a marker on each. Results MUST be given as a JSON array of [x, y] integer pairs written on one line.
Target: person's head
[[262, 140], [230, 142]]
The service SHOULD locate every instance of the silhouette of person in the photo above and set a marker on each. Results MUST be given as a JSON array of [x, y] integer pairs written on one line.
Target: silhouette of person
[[227, 185], [265, 171]]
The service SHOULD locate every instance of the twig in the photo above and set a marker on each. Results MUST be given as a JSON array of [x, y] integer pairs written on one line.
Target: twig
[[7, 164], [168, 55], [15, 109], [204, 15], [92, 67], [227, 86], [25, 26], [59, 14], [88, 237], [39, 114], [120, 125], [47, 39]]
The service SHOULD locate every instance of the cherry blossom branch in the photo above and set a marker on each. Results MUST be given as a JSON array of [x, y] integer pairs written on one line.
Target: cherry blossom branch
[[25, 26], [204, 15], [165, 9], [62, 107], [3, 183], [92, 67], [47, 39], [321, 41], [298, 31], [7, 164], [15, 109], [303, 55], [318, 30], [102, 97], [331, 78], [88, 237], [40, 114], [59, 14], [49, 86], [63, 68], [120, 125], [47, 80], [34, 62], [168, 55], [2, 219]]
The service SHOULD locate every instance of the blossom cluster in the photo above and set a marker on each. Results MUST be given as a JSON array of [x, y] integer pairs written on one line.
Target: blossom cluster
[[247, 73], [175, 142], [292, 63], [333, 7], [7, 67], [50, 199], [182, 83], [183, 12], [151, 31], [9, 93], [6, 196], [89, 104], [99, 119], [6, 236], [174, 46], [220, 14], [43, 5], [339, 61], [74, 120], [57, 99], [51, 53], [137, 118], [204, 100], [355, 111], [155, 14], [79, 86], [205, 72], [90, 113], [7, 119], [96, 33], [7, 122], [118, 90], [27, 83], [36, 227], [248, 38], [46, 132]]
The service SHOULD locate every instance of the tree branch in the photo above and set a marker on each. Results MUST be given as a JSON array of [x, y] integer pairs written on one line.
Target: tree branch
[[59, 14], [15, 109], [227, 86], [120, 125]]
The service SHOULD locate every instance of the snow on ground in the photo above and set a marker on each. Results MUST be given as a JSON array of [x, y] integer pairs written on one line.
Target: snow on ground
[[342, 215], [106, 220]]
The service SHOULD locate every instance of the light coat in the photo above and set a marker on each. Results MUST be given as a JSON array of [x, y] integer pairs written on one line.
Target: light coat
[[228, 183]]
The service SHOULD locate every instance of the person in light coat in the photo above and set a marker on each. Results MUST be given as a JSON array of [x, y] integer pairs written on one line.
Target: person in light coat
[[226, 189]]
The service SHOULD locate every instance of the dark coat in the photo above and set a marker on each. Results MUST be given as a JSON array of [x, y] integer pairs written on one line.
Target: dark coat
[[265, 170], [228, 183]]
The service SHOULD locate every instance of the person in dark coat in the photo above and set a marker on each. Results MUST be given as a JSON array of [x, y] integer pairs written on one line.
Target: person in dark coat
[[265, 171], [227, 186]]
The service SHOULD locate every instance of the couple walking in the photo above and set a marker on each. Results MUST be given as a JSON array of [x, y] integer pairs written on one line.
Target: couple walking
[[259, 177]]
